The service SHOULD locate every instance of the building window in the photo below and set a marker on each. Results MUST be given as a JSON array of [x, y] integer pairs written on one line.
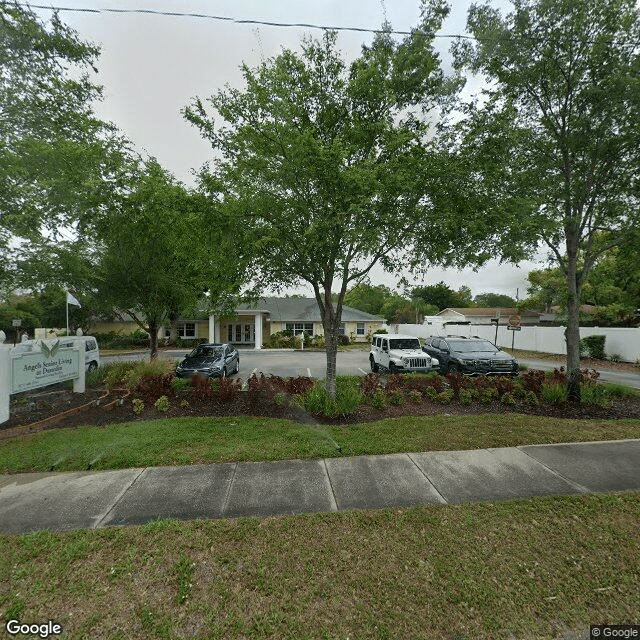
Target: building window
[[187, 330], [341, 329], [299, 327], [360, 328]]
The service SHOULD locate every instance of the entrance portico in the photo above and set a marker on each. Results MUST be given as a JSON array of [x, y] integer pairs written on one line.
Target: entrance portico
[[245, 329]]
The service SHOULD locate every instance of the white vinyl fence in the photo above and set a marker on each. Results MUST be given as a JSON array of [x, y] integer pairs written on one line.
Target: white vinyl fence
[[623, 342]]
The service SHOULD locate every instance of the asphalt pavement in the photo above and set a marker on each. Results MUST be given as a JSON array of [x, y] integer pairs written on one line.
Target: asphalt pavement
[[349, 362], [88, 500]]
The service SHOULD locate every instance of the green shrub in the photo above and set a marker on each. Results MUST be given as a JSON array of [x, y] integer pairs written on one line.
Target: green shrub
[[116, 373], [616, 357], [595, 394], [595, 346], [508, 399], [180, 383], [619, 390], [431, 394], [488, 395], [465, 396], [555, 392], [348, 399], [379, 399], [279, 399], [415, 396], [396, 397], [162, 403], [184, 403], [143, 369], [138, 406], [381, 330], [445, 397], [531, 398], [96, 377]]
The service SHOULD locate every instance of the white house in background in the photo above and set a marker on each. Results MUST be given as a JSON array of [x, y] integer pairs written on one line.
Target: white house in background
[[252, 323], [484, 315]]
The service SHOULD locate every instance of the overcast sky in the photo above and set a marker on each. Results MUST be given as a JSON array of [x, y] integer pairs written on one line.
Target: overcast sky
[[151, 66]]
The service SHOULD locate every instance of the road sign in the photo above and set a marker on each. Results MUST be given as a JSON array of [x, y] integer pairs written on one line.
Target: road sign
[[16, 322], [515, 320], [510, 328]]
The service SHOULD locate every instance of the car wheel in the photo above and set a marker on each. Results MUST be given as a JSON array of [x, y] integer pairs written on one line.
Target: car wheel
[[374, 366], [393, 368], [224, 372], [453, 368], [92, 366], [237, 366]]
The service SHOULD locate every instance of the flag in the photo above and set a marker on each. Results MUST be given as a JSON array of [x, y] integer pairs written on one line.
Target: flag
[[72, 300]]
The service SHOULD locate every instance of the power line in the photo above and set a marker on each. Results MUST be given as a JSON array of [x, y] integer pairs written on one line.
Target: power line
[[207, 16], [304, 25]]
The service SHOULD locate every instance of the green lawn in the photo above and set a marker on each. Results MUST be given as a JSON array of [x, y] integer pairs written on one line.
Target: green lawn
[[527, 569], [202, 440]]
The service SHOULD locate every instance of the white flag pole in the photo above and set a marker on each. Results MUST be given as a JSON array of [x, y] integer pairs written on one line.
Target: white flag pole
[[67, 316]]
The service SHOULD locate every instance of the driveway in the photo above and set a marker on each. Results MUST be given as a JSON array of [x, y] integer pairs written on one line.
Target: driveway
[[349, 362], [279, 363]]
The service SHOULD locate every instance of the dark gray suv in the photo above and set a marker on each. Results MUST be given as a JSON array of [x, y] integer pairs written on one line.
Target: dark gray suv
[[470, 355], [213, 360]]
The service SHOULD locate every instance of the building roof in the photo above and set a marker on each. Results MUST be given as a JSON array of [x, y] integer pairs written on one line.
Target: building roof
[[303, 310], [492, 312]]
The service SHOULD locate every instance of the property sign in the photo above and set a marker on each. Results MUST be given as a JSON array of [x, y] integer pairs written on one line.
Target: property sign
[[510, 328], [16, 322], [33, 370], [515, 320]]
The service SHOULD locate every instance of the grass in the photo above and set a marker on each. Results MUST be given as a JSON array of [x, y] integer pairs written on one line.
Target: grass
[[526, 569], [183, 441]]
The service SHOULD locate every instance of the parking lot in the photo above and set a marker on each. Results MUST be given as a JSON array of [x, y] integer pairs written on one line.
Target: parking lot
[[278, 363]]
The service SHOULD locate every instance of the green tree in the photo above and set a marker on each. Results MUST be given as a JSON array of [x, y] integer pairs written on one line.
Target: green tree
[[555, 139], [442, 296], [58, 161], [162, 252], [494, 300], [367, 297], [327, 167]]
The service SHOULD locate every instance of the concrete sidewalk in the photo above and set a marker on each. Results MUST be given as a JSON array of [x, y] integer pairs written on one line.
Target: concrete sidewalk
[[76, 500]]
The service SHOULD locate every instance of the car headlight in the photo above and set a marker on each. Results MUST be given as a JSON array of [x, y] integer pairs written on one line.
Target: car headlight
[[435, 362], [179, 367]]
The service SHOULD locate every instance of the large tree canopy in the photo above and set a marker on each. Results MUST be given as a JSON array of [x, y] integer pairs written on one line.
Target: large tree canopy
[[329, 168], [556, 140], [161, 254], [58, 161]]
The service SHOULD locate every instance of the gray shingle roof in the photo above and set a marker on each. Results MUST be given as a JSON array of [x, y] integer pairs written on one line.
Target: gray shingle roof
[[303, 310]]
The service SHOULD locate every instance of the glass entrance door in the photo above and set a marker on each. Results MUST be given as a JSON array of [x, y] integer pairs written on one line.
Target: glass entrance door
[[242, 333]]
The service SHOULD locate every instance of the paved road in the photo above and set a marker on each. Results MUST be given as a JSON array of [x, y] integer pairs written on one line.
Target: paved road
[[352, 362], [87, 500]]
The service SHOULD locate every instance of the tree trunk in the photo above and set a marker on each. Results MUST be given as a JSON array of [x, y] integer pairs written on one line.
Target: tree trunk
[[331, 347], [173, 327], [153, 339], [572, 333]]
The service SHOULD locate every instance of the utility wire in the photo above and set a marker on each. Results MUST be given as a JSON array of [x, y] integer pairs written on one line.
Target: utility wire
[[305, 25]]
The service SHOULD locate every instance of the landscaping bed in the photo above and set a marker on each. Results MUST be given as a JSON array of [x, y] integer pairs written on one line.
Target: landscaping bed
[[303, 400]]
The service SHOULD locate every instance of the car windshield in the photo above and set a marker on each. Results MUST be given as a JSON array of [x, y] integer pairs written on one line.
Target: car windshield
[[407, 343], [206, 352], [469, 346]]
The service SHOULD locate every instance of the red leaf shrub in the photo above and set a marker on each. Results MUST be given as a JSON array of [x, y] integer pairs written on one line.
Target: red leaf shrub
[[201, 387], [456, 382], [260, 388], [394, 382], [533, 380], [298, 385], [150, 388], [228, 388], [369, 384]]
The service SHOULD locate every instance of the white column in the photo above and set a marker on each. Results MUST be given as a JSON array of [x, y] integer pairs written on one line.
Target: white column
[[212, 328], [79, 382], [5, 379], [258, 330]]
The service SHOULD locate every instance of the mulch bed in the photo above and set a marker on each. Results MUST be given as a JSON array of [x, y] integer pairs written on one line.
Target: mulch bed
[[35, 408]]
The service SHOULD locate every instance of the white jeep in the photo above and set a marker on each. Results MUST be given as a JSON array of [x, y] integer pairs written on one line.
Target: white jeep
[[398, 353]]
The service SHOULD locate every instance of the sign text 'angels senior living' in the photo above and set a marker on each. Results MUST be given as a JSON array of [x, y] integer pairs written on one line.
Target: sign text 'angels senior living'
[[37, 369]]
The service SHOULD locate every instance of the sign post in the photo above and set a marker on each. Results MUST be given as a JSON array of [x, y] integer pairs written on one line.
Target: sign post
[[16, 322], [515, 321]]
